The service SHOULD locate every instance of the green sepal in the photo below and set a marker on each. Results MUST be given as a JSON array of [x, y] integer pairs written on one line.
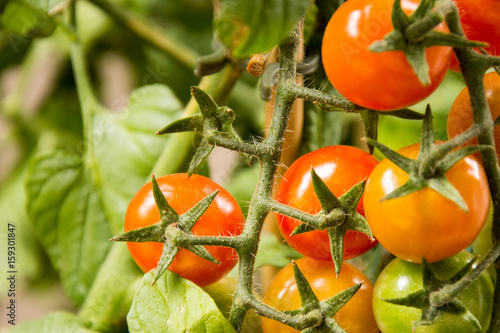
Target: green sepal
[[189, 124], [404, 163], [150, 233], [427, 137], [302, 228], [370, 123], [415, 53], [452, 158], [457, 307], [189, 218], [308, 299], [497, 120], [411, 186], [423, 7], [403, 114], [399, 18], [393, 41], [167, 256], [429, 278], [327, 199], [202, 152], [331, 325], [336, 236], [331, 306], [434, 38], [208, 107], [465, 270], [418, 299], [349, 201], [167, 214], [443, 186], [202, 252]]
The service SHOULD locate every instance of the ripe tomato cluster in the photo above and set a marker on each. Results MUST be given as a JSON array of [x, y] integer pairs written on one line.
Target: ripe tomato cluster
[[340, 168], [421, 225]]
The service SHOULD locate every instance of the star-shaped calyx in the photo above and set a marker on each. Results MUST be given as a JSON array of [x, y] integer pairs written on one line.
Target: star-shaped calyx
[[430, 167], [429, 298], [327, 308], [213, 120], [333, 207], [171, 230], [413, 34]]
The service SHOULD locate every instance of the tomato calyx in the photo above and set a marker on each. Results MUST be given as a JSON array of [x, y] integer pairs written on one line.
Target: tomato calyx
[[433, 300], [433, 161], [414, 34], [214, 121], [325, 310], [337, 216], [172, 230]]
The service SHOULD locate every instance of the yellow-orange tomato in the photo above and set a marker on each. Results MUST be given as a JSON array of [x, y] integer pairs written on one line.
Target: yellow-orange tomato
[[354, 317], [381, 81], [425, 223], [460, 116]]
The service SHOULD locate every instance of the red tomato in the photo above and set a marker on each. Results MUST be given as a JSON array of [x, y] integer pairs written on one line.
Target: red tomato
[[222, 218], [340, 167], [354, 317], [381, 81], [480, 22], [425, 223], [460, 116]]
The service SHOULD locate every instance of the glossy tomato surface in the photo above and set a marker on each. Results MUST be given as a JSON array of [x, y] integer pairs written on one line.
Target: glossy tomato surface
[[479, 20], [460, 115], [222, 218], [380, 81], [401, 278], [340, 167], [425, 223], [355, 317]]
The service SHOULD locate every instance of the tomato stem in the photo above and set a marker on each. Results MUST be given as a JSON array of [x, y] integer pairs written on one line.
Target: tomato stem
[[150, 32]]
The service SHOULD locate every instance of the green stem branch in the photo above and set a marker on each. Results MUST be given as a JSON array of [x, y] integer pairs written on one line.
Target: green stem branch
[[150, 32], [318, 221]]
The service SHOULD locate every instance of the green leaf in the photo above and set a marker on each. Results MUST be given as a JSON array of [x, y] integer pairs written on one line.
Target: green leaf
[[249, 27], [75, 203], [53, 322], [30, 18], [174, 305]]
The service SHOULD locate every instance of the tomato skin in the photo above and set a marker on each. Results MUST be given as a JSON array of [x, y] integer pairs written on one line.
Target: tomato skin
[[460, 115], [381, 81], [401, 278], [355, 317], [480, 22], [340, 167], [223, 217], [425, 223]]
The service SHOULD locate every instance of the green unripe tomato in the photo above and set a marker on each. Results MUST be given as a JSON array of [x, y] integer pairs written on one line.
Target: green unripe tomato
[[401, 278]]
